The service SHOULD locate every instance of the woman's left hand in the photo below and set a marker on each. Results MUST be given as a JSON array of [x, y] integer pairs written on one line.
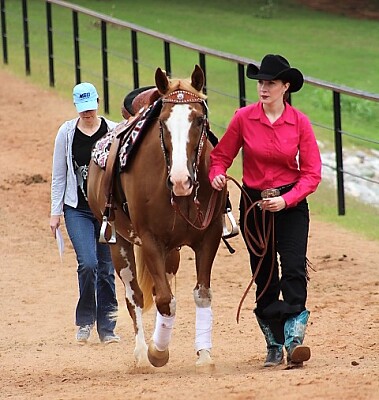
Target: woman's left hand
[[273, 204]]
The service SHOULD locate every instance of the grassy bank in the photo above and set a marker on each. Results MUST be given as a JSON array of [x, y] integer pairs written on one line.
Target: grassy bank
[[360, 218], [327, 47]]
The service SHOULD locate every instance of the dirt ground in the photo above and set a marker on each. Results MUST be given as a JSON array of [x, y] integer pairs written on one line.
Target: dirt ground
[[362, 9], [39, 357]]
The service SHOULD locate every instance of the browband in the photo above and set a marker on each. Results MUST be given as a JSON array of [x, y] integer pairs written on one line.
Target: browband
[[182, 96]]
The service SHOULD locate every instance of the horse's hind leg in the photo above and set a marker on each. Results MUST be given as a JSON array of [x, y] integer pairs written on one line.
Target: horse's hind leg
[[124, 262]]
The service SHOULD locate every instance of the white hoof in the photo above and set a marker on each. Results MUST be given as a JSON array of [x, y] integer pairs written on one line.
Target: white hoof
[[143, 362], [204, 361], [140, 355]]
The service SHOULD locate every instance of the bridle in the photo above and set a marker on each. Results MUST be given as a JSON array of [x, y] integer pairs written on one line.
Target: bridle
[[202, 221], [185, 97]]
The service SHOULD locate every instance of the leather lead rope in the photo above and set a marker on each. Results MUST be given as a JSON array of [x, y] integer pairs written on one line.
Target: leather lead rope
[[201, 222], [261, 242]]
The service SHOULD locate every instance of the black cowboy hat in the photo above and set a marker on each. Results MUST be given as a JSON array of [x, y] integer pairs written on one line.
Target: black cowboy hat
[[276, 67]]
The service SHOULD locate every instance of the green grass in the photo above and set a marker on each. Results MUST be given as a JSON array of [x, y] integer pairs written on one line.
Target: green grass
[[359, 217], [324, 46]]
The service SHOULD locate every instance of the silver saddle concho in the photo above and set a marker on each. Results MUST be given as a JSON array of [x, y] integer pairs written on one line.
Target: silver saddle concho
[[229, 225]]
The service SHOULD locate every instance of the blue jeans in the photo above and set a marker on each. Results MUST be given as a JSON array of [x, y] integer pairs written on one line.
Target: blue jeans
[[97, 294]]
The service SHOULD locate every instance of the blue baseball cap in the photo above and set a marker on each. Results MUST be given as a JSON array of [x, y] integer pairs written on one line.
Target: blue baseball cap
[[85, 97]]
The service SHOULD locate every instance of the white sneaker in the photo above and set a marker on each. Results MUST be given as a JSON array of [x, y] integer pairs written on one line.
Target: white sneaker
[[110, 339], [83, 333]]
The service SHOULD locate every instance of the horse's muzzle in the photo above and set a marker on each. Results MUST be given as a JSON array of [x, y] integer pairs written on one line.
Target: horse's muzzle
[[182, 187]]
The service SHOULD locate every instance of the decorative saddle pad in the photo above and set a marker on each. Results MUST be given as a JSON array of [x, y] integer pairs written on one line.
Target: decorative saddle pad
[[130, 140]]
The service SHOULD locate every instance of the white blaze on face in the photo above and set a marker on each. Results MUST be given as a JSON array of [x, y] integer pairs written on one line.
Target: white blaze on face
[[179, 125]]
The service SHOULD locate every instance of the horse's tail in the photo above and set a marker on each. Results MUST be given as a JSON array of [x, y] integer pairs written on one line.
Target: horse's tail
[[144, 278]]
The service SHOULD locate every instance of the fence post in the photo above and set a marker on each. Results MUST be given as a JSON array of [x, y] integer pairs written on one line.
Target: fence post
[[204, 68], [26, 36], [135, 58], [104, 53], [167, 58], [75, 24], [49, 25], [4, 32], [241, 84], [338, 151]]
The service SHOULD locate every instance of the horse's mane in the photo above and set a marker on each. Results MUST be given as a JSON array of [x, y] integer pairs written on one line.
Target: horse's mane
[[184, 84]]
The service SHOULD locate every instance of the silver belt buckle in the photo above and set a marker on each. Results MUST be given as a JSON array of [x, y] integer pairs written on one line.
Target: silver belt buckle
[[272, 192]]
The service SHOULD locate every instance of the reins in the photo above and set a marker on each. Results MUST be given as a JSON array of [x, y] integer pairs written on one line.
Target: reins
[[203, 220], [261, 240]]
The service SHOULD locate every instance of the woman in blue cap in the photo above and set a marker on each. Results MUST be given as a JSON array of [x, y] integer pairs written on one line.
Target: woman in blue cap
[[72, 153], [279, 151]]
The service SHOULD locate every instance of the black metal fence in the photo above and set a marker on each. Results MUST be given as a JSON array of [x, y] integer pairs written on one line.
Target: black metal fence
[[167, 41]]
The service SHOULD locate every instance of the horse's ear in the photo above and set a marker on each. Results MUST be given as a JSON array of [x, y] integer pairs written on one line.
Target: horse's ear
[[197, 78], [161, 81]]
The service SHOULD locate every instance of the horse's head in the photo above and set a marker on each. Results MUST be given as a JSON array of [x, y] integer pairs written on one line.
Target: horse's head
[[183, 125]]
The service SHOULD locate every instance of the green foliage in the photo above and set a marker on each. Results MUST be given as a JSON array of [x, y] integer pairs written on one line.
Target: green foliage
[[360, 218], [360, 117], [266, 9], [364, 109]]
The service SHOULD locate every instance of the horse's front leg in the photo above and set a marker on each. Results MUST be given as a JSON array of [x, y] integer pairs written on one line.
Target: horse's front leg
[[158, 263], [202, 293], [124, 262], [204, 323]]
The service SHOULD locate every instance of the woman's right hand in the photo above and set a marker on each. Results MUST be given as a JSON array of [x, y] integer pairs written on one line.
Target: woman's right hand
[[219, 181], [55, 221]]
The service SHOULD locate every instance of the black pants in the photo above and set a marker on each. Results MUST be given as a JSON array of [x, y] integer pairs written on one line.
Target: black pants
[[291, 238]]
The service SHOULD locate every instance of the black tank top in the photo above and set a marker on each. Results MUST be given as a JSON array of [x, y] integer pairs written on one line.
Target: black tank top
[[81, 157]]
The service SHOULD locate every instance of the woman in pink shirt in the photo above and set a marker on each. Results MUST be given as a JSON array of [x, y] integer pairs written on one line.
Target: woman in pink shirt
[[279, 150]]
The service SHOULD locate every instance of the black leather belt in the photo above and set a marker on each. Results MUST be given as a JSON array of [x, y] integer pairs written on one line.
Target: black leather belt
[[274, 192], [257, 194]]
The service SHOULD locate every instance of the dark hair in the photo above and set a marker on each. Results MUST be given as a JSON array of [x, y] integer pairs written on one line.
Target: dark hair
[[286, 95]]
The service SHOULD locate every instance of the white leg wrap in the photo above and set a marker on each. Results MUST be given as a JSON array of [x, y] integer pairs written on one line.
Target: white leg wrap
[[204, 321], [163, 330]]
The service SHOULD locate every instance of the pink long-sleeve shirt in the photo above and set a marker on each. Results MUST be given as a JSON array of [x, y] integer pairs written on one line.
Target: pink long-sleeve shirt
[[273, 155]]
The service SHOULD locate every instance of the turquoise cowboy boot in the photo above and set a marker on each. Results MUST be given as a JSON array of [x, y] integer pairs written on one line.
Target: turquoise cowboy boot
[[294, 332], [274, 348]]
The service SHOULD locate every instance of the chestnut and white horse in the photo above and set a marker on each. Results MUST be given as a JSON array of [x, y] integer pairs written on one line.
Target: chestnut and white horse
[[170, 204]]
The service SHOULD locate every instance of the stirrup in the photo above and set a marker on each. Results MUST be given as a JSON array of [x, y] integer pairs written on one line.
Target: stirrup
[[230, 229], [102, 238]]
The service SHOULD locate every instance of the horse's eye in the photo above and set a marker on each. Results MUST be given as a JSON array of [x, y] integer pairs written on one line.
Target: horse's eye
[[198, 121]]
